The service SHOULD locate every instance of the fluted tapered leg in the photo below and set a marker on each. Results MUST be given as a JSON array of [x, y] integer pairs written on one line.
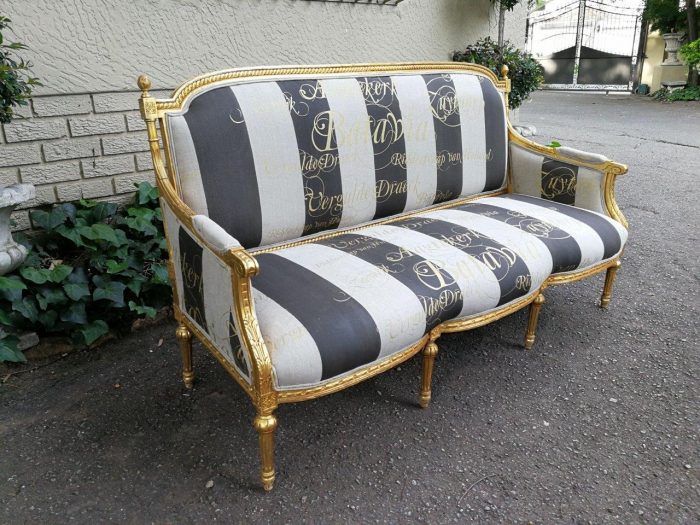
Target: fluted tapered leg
[[535, 308], [429, 353], [266, 424], [609, 280], [184, 336]]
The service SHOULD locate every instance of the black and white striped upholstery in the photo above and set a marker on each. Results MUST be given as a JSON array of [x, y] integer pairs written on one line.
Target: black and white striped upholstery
[[275, 159], [551, 179], [334, 305], [202, 292]]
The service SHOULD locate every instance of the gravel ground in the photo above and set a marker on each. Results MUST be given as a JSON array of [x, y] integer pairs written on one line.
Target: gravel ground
[[599, 423]]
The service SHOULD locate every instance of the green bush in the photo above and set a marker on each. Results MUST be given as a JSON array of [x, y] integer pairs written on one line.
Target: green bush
[[687, 93], [525, 73], [15, 83], [690, 53], [91, 267]]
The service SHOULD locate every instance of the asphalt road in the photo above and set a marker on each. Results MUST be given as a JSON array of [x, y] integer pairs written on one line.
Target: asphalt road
[[599, 423]]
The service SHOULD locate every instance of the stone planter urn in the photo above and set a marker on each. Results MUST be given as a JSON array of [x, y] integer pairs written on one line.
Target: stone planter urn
[[673, 44], [11, 254]]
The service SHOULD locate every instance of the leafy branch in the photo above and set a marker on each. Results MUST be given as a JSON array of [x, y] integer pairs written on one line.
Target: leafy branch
[[16, 84]]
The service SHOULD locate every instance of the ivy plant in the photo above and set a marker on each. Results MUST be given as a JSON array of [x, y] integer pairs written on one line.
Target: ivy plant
[[525, 73], [91, 267], [689, 93], [15, 82]]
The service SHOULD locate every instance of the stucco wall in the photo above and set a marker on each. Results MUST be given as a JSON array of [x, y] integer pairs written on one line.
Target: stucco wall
[[82, 135]]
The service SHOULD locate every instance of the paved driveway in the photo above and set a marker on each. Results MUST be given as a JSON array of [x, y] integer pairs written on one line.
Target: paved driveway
[[599, 423]]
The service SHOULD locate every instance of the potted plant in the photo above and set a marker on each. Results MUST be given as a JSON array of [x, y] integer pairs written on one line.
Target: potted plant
[[15, 89], [671, 21]]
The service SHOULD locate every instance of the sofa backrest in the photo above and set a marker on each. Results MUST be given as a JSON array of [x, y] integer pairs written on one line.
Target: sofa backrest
[[272, 157]]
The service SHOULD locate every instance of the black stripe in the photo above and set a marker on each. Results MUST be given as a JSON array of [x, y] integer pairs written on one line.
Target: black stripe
[[607, 232], [511, 271], [192, 284], [565, 251], [388, 142], [318, 153], [494, 115], [435, 288], [236, 347], [226, 164], [345, 333], [559, 181], [448, 136]]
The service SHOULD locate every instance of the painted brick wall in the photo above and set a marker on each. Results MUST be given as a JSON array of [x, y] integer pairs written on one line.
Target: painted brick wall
[[70, 147]]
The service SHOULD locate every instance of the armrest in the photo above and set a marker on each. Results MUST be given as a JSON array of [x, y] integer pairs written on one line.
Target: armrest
[[565, 175], [223, 282], [214, 235]]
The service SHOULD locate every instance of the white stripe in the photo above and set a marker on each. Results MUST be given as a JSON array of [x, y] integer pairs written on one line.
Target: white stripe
[[480, 288], [589, 190], [589, 241], [276, 155], [470, 101], [218, 302], [293, 351], [353, 136], [531, 250], [526, 169], [380, 294], [419, 136], [186, 165]]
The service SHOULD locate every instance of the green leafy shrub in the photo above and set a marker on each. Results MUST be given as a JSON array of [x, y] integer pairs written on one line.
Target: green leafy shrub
[[15, 82], [525, 73], [687, 93], [92, 266], [690, 53]]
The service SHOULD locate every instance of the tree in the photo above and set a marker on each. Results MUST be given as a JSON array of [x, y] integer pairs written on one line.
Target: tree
[[503, 6]]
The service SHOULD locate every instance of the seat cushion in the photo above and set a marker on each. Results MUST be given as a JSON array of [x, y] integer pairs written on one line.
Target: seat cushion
[[576, 238], [331, 306]]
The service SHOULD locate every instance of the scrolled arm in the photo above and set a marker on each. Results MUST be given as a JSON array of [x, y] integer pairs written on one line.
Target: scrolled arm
[[565, 175]]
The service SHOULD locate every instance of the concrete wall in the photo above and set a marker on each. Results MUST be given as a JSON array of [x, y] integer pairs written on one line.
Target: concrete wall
[[653, 55], [82, 137], [653, 72]]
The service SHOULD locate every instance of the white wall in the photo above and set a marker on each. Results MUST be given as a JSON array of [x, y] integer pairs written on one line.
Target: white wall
[[82, 135], [97, 45]]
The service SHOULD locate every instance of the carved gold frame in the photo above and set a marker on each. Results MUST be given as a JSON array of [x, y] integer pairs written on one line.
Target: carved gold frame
[[243, 265]]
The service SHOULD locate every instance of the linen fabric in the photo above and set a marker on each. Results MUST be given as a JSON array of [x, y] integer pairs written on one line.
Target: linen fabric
[[551, 179], [277, 159], [331, 306], [203, 289]]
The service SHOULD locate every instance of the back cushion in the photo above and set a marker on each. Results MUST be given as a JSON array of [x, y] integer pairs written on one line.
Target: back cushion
[[277, 158]]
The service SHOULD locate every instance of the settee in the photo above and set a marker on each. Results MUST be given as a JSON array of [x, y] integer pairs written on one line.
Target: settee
[[326, 224]]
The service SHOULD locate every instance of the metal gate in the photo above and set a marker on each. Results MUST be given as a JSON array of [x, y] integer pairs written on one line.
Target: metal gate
[[587, 44]]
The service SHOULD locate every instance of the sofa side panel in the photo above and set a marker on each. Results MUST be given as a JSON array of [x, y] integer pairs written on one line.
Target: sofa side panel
[[203, 291], [552, 179]]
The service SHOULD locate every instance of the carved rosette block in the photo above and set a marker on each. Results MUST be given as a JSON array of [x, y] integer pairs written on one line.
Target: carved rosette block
[[12, 255]]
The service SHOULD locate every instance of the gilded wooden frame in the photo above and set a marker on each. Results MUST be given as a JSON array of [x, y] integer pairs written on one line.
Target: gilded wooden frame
[[243, 265]]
